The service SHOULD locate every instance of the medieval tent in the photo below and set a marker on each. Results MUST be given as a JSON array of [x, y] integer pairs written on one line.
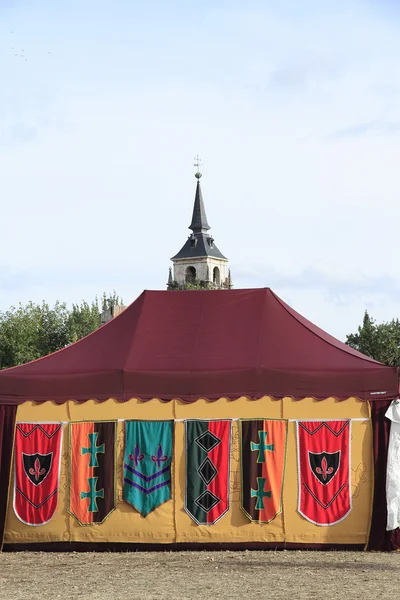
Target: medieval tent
[[199, 360]]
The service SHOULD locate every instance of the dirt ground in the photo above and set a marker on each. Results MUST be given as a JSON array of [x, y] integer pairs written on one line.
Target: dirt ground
[[188, 575]]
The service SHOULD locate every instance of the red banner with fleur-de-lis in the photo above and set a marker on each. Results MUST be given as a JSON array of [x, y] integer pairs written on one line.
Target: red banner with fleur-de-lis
[[37, 455], [323, 453]]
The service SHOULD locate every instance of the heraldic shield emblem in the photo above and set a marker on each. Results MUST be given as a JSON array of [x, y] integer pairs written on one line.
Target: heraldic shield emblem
[[323, 451], [324, 465], [37, 466], [37, 456]]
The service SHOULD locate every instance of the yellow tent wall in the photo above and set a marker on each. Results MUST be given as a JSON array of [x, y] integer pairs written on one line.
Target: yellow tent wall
[[169, 523]]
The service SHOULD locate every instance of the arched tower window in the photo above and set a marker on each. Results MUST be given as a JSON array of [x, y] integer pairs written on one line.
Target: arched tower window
[[216, 277], [190, 275]]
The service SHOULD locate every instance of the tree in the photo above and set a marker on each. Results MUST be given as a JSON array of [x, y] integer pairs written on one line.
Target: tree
[[197, 284], [83, 319], [108, 302], [379, 341], [192, 285], [30, 331]]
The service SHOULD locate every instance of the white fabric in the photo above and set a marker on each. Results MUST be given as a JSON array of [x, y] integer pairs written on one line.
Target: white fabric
[[393, 412], [393, 478]]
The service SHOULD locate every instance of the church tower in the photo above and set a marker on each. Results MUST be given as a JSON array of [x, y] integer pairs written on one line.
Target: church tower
[[199, 262]]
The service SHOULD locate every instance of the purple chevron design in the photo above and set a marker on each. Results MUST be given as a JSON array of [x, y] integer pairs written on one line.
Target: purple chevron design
[[149, 490], [147, 480], [146, 477]]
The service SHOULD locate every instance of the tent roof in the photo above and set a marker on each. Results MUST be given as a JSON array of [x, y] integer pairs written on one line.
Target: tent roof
[[202, 344]]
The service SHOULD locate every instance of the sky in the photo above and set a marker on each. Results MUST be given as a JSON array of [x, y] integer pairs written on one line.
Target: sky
[[293, 107]]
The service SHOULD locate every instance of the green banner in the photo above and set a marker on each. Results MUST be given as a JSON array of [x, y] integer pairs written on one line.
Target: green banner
[[147, 464], [208, 448]]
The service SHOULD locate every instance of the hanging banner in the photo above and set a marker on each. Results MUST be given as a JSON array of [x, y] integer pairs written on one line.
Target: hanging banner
[[92, 495], [208, 452], [323, 454], [393, 467], [37, 454], [262, 464], [147, 464]]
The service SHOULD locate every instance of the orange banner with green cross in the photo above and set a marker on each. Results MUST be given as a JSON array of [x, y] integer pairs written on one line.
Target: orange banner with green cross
[[262, 463], [92, 471]]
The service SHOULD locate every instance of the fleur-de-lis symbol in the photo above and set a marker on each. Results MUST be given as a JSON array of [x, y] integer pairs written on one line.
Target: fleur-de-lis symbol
[[159, 457], [37, 471], [324, 470], [136, 456]]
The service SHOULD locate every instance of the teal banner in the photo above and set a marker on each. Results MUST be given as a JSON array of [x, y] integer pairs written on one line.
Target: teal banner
[[147, 464]]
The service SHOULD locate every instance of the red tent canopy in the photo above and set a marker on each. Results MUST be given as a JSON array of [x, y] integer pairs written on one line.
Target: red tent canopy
[[202, 344]]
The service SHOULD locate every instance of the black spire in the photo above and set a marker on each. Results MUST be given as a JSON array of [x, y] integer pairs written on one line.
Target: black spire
[[199, 219], [200, 243]]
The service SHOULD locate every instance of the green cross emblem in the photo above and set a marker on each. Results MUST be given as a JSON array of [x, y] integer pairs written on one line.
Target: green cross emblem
[[93, 449], [259, 493], [262, 446], [92, 494]]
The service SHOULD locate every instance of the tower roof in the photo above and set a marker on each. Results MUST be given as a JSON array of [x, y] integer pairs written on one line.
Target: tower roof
[[198, 246], [200, 243], [199, 218]]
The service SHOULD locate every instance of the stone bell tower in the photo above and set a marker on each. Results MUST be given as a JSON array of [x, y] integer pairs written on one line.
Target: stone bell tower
[[199, 263]]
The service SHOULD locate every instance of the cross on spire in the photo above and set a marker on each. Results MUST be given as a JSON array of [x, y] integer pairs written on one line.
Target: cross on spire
[[197, 164], [262, 447]]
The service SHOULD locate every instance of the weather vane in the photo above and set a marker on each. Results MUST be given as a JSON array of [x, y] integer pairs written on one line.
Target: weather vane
[[197, 164]]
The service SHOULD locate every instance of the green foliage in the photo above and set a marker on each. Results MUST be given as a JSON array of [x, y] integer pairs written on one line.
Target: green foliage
[[30, 331], [108, 302], [379, 341], [83, 319], [195, 285]]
